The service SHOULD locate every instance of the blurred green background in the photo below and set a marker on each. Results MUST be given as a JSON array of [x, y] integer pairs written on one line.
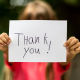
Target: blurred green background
[[65, 9]]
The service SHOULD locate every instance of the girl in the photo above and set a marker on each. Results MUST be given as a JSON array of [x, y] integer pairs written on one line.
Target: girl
[[39, 10]]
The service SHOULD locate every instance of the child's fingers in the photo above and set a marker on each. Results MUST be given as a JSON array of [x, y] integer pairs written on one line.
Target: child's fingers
[[1, 45], [75, 46], [1, 42], [78, 49], [4, 40], [69, 40], [6, 37], [74, 52], [73, 42]]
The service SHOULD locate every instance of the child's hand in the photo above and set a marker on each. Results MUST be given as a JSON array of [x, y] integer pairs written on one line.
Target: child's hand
[[4, 42], [72, 45]]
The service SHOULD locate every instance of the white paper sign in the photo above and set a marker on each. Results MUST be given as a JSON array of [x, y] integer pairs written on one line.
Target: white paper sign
[[37, 41]]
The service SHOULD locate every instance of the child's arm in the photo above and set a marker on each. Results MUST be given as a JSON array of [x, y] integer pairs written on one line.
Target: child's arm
[[73, 48], [4, 42]]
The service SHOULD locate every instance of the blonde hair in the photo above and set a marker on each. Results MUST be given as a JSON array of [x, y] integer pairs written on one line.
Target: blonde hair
[[50, 15], [6, 74]]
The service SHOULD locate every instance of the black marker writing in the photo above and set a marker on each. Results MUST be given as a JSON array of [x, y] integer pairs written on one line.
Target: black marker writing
[[37, 51], [31, 50], [28, 40], [25, 52], [18, 36], [36, 40], [45, 41], [49, 45], [25, 40], [31, 40]]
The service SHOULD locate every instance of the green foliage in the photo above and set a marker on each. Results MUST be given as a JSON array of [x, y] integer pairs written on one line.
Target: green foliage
[[1, 61], [73, 2]]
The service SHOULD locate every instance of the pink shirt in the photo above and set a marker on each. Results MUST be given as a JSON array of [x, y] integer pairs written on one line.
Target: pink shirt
[[35, 70]]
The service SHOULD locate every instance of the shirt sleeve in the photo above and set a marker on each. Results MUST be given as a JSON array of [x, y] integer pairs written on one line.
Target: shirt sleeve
[[63, 69], [12, 66]]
